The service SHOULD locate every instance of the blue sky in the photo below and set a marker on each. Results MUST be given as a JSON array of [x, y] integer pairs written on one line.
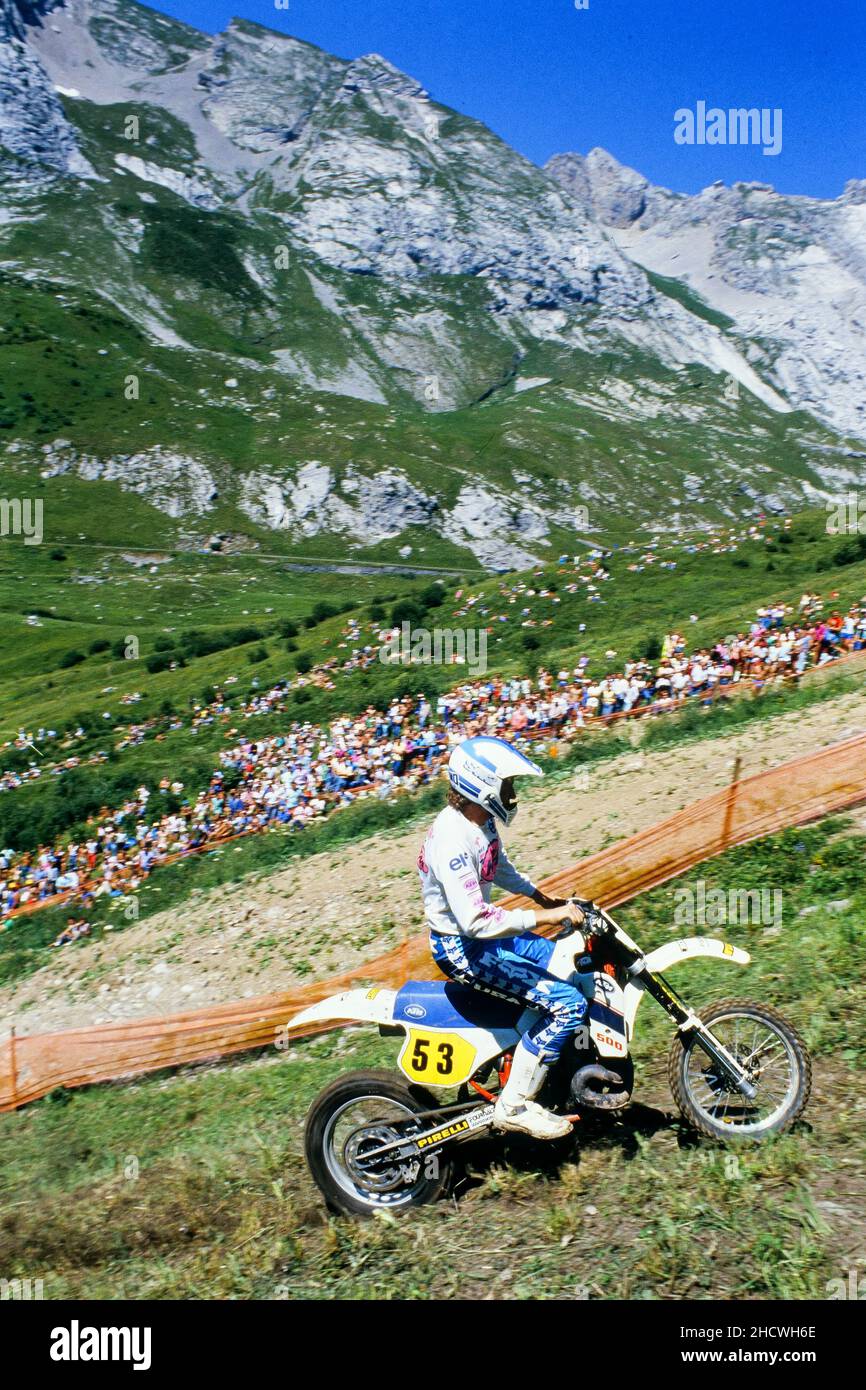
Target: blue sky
[[548, 77]]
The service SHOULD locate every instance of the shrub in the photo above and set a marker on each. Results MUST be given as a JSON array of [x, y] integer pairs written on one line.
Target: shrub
[[324, 610], [411, 682], [850, 552], [160, 661], [57, 554], [100, 645], [239, 636], [303, 663], [286, 627], [196, 643], [431, 597], [73, 658], [199, 247], [406, 611], [531, 643]]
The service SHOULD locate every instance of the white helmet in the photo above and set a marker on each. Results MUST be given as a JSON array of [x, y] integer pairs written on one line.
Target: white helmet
[[479, 767]]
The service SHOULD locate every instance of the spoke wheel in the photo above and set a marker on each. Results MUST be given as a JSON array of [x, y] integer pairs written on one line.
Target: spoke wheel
[[774, 1057], [348, 1122]]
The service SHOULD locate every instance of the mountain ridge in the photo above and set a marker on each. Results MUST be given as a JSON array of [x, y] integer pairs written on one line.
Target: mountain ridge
[[510, 342]]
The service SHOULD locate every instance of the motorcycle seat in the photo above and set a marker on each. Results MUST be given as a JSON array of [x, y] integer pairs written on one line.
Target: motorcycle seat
[[450, 1005]]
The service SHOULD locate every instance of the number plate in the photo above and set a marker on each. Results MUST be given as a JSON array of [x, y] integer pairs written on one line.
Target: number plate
[[437, 1059]]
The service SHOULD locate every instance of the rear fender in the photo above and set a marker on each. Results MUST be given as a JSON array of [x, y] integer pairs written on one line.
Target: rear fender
[[433, 1056], [374, 1005]]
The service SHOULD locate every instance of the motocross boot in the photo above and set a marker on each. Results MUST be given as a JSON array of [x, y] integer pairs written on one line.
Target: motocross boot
[[515, 1107]]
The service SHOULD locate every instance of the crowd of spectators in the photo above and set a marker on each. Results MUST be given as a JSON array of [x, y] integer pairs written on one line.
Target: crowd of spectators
[[291, 778]]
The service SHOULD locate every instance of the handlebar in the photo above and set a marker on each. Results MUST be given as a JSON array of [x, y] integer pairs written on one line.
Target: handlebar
[[596, 922], [569, 925], [594, 919]]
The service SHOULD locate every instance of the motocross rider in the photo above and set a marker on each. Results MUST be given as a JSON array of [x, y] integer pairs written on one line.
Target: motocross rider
[[490, 948]]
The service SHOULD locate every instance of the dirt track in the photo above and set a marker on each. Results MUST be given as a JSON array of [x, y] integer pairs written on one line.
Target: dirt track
[[333, 910]]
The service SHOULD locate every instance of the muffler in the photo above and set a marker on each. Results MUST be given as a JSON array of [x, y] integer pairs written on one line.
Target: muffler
[[583, 1094]]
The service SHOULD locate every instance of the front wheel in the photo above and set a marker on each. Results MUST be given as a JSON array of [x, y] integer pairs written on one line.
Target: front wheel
[[351, 1118], [772, 1053]]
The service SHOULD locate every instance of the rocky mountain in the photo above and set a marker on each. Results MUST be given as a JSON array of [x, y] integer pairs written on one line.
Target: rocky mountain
[[257, 288], [790, 272], [32, 123]]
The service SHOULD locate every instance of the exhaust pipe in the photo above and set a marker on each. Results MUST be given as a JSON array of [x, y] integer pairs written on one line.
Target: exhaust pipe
[[583, 1094]]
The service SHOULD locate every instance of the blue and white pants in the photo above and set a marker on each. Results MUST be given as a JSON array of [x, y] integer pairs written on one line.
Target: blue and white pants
[[515, 967]]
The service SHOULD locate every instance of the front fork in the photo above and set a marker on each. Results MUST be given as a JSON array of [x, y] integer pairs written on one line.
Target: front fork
[[688, 1022]]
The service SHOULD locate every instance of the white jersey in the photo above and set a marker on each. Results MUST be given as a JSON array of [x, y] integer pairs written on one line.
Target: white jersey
[[459, 864]]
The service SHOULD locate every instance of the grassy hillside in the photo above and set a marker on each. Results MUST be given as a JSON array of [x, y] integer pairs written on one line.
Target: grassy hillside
[[636, 443], [194, 1185], [61, 675]]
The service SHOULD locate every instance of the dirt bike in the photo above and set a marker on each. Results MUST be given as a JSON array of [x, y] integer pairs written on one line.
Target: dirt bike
[[375, 1141]]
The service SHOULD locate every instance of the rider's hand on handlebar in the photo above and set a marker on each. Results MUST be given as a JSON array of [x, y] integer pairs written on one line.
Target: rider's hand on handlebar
[[556, 916]]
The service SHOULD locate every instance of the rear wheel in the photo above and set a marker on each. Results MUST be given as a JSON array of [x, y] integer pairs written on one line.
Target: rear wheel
[[352, 1117], [774, 1057]]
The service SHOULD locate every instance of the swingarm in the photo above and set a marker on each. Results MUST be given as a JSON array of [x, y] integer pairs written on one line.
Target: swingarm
[[467, 1122]]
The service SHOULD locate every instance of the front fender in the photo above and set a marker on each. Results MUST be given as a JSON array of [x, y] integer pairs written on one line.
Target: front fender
[[663, 957]]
